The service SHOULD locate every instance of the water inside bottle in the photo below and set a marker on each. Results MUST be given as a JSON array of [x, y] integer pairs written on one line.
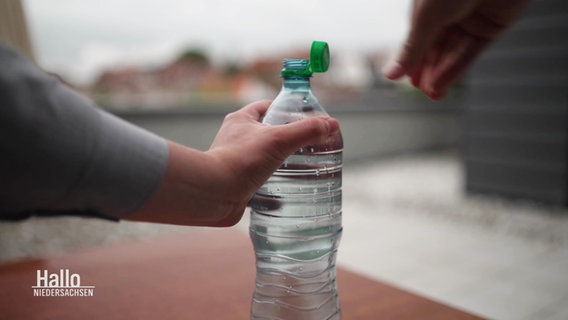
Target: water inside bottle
[[295, 229]]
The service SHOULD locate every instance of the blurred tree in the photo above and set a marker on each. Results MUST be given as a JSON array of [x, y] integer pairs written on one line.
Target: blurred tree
[[194, 55], [232, 68]]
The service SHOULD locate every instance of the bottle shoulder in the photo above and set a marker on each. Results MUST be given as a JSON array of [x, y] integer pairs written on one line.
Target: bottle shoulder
[[293, 106]]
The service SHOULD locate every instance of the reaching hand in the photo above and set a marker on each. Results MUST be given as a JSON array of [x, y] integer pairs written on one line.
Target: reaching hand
[[445, 38], [213, 188]]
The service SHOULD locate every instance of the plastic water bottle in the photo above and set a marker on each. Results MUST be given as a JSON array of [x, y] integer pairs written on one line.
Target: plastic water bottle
[[296, 215]]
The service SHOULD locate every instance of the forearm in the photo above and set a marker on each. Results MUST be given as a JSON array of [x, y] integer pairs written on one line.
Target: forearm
[[61, 154], [200, 196]]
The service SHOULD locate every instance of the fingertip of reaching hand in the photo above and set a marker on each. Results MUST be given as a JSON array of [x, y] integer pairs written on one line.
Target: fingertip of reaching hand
[[393, 70], [433, 93], [415, 81]]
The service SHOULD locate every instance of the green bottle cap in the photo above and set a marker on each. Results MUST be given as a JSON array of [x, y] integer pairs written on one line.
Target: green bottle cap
[[319, 56], [319, 61]]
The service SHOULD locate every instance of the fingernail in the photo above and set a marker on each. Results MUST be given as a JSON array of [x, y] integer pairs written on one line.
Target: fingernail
[[393, 70], [432, 93]]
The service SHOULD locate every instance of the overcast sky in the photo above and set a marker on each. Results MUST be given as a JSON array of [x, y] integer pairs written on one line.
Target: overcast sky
[[79, 37]]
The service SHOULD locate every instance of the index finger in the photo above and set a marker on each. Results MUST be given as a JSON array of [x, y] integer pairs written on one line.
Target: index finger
[[255, 110]]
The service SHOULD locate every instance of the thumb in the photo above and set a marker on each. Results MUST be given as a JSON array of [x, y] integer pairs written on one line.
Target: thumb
[[300, 133]]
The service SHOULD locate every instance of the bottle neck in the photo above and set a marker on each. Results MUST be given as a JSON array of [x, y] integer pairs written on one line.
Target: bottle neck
[[296, 83]]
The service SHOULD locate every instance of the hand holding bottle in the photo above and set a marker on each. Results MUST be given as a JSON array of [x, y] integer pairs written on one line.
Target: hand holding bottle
[[212, 188], [445, 37]]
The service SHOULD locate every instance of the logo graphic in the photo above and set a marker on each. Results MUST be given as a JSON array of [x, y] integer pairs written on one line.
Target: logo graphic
[[62, 284]]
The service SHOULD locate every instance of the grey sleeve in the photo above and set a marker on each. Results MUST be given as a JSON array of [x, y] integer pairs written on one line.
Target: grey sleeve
[[60, 154]]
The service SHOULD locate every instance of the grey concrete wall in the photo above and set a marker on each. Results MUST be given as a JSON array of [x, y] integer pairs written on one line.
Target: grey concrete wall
[[367, 133]]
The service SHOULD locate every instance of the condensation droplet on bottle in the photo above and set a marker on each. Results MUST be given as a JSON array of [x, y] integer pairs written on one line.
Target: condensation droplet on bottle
[[315, 190], [298, 226], [305, 100], [317, 172]]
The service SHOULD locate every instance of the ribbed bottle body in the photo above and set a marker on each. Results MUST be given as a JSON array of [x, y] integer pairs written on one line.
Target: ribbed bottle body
[[296, 223]]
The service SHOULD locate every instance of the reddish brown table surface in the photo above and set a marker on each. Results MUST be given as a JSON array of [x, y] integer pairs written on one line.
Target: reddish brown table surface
[[208, 274]]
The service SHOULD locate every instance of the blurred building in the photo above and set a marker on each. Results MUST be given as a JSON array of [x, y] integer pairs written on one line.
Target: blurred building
[[189, 83], [516, 120], [184, 82], [13, 26]]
